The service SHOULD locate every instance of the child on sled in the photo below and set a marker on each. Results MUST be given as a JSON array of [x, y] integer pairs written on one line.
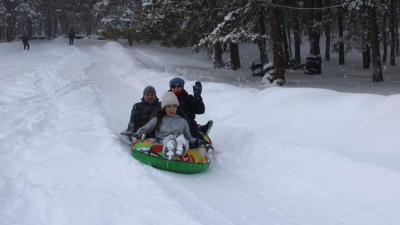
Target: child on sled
[[170, 127]]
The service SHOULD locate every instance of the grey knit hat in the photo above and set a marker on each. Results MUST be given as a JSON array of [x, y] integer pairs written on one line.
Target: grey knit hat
[[169, 98], [149, 89]]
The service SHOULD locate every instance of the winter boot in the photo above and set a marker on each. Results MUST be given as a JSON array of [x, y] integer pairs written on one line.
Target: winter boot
[[210, 150], [180, 144], [205, 129], [169, 150]]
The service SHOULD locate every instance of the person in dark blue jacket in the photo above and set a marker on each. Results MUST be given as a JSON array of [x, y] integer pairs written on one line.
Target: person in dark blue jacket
[[71, 36], [25, 41], [190, 104], [142, 111]]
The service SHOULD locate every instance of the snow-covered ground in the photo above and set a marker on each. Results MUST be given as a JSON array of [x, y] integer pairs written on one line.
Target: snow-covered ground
[[297, 154]]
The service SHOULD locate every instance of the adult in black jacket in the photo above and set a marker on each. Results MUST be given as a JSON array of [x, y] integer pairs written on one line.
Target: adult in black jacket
[[71, 36], [142, 111], [190, 104], [25, 41]]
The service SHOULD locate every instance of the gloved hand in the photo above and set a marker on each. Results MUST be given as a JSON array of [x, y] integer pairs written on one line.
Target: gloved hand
[[142, 134], [132, 137], [198, 143], [197, 88], [128, 134]]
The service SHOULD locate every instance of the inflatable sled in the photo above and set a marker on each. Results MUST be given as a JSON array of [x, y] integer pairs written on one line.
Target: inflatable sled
[[149, 151]]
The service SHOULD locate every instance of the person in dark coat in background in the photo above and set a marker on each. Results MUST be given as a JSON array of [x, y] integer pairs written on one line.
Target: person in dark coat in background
[[25, 41], [142, 111], [71, 36], [190, 104]]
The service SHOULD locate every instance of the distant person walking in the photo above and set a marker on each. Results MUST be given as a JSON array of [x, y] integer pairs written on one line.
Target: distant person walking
[[25, 41], [71, 36]]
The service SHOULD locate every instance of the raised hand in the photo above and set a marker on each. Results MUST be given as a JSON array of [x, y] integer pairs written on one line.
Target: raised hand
[[197, 88]]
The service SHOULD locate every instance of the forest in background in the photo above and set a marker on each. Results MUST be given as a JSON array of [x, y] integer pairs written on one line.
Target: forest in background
[[367, 26]]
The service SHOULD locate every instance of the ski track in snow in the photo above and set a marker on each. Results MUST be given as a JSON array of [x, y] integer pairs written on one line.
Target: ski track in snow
[[86, 96]]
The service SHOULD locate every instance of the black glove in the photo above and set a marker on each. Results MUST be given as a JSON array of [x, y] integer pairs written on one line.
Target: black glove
[[197, 89], [132, 137], [142, 134], [198, 143]]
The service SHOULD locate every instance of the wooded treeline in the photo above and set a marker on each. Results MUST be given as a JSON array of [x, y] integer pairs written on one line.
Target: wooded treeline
[[367, 26], [46, 18]]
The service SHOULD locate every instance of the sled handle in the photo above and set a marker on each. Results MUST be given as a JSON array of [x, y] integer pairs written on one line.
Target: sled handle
[[142, 137]]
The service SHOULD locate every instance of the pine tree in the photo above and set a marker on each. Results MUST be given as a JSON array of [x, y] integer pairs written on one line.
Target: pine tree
[[10, 19], [242, 23], [26, 14], [115, 16]]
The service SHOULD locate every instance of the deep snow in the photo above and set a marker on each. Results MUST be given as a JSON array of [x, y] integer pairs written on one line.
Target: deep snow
[[293, 155]]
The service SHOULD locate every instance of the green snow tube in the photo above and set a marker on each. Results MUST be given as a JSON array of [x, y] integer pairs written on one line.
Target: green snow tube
[[150, 152]]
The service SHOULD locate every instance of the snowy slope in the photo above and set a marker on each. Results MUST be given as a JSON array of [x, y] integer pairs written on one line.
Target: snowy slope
[[283, 155]]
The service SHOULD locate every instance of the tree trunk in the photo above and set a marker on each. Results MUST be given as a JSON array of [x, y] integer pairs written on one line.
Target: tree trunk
[[290, 42], [340, 27], [384, 40], [262, 43], [29, 28], [10, 29], [218, 55], [89, 32], [288, 20], [392, 35], [218, 63], [396, 28], [66, 27], [55, 32], [235, 60], [263, 51], [282, 27], [327, 32], [313, 18], [48, 24], [213, 4], [366, 56], [40, 27], [285, 42], [279, 73], [296, 34], [374, 39], [88, 19]]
